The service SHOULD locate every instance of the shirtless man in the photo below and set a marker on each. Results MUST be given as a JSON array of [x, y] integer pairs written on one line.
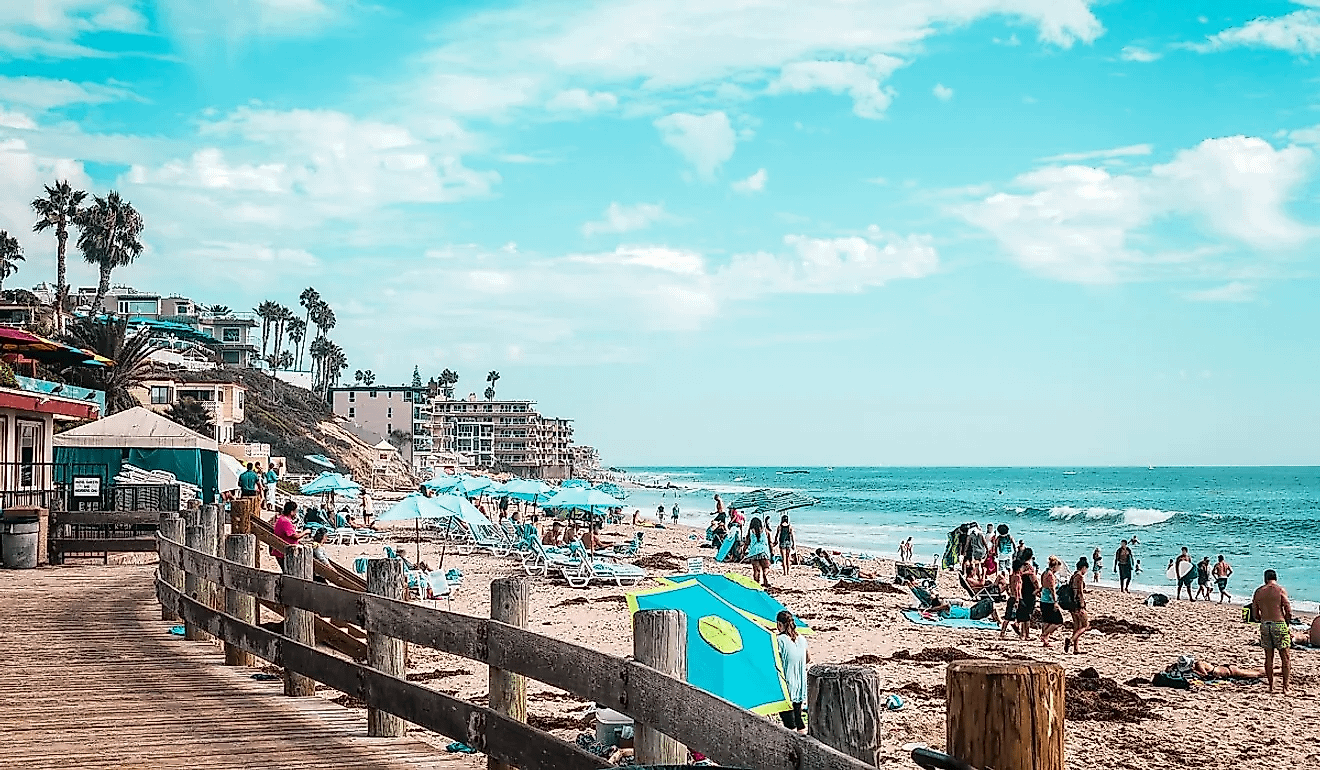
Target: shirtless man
[[1221, 571], [1270, 605], [1185, 581], [1123, 566]]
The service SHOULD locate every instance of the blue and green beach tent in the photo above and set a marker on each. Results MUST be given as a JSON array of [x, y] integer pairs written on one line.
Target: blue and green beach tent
[[144, 439], [744, 594], [728, 653]]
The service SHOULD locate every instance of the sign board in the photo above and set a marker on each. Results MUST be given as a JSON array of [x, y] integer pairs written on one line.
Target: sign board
[[86, 486]]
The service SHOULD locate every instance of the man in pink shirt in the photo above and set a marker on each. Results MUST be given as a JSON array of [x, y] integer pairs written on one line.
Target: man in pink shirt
[[285, 530]]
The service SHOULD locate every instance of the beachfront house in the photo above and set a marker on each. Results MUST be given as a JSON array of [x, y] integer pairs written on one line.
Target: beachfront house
[[222, 400]]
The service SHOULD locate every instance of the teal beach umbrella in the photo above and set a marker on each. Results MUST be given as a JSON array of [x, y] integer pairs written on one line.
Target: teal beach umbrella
[[743, 594], [728, 653]]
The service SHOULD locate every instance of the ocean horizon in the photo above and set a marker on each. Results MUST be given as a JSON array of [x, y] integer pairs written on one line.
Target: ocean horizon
[[1258, 517]]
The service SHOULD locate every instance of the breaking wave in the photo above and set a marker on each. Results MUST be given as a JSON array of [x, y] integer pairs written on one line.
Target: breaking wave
[[1133, 517]]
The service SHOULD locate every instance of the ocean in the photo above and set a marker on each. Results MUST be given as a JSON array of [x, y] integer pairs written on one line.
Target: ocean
[[1258, 518]]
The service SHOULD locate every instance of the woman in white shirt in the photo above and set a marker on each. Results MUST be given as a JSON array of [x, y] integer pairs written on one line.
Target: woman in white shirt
[[793, 652]]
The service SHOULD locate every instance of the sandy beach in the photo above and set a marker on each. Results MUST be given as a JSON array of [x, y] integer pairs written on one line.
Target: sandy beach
[[1122, 725]]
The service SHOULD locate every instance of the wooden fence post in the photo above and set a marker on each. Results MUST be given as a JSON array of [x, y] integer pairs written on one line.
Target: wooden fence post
[[843, 709], [1005, 714], [660, 641], [210, 521], [171, 528], [212, 511], [508, 691], [299, 625], [384, 653], [241, 511], [240, 549], [193, 585]]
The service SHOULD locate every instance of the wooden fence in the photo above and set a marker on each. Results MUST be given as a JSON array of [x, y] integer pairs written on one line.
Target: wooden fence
[[657, 701]]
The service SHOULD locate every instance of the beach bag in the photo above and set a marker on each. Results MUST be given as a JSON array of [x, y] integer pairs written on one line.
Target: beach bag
[[1164, 679], [1157, 600], [1249, 614], [1067, 597]]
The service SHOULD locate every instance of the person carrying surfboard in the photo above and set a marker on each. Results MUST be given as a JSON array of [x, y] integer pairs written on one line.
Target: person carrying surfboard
[[1185, 573]]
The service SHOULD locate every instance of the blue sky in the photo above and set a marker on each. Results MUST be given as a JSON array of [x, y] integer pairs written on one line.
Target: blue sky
[[729, 232]]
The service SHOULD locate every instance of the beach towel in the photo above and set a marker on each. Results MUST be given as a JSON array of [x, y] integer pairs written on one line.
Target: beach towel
[[927, 619]]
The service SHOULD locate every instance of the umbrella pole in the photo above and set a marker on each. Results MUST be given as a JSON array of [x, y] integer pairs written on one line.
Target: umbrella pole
[[417, 523]]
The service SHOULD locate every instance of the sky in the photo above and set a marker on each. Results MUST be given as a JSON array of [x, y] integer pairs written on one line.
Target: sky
[[732, 232]]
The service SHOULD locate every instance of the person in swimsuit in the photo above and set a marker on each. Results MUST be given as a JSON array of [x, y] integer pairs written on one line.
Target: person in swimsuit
[[1186, 578], [1187, 666], [1014, 592], [1123, 566], [1222, 571], [1095, 562], [1270, 604], [1050, 617], [787, 543], [1203, 578], [1079, 619], [1030, 588]]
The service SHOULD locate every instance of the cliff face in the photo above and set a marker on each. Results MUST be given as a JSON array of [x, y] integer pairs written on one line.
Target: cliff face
[[296, 423]]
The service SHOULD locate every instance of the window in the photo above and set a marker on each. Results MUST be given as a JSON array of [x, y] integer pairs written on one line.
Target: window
[[220, 395], [389, 412], [183, 308], [160, 394], [352, 396], [231, 334], [352, 412], [373, 394], [389, 428], [389, 394], [139, 306]]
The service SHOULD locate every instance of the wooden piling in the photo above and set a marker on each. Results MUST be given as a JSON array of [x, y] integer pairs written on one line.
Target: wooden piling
[[240, 549], [508, 691], [1006, 714], [843, 709], [384, 653], [299, 625], [660, 641], [210, 545], [193, 585], [171, 528]]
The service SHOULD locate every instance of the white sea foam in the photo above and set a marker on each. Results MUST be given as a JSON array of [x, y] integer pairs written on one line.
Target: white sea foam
[[1136, 517]]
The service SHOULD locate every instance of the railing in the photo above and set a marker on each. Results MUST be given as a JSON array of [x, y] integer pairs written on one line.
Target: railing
[[657, 701]]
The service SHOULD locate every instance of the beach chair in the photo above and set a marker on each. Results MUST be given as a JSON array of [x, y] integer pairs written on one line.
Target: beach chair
[[432, 585], [925, 600], [539, 559], [915, 574], [631, 547], [342, 536], [366, 535], [489, 539], [990, 591], [582, 574]]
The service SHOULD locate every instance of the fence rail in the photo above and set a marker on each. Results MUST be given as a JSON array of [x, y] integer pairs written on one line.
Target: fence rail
[[694, 717]]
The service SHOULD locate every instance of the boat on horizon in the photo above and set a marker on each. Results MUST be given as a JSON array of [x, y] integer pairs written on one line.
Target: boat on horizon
[[786, 473]]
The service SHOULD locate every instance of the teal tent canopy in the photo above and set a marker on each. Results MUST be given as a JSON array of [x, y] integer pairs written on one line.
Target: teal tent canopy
[[728, 653], [331, 483], [442, 483], [321, 460], [530, 490], [742, 593], [581, 499], [147, 440]]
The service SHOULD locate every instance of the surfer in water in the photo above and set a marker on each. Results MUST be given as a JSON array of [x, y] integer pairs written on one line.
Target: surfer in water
[[1123, 566], [1184, 574]]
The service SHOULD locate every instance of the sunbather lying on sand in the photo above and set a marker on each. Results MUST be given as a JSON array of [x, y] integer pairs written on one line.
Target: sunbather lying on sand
[[1187, 666], [985, 608]]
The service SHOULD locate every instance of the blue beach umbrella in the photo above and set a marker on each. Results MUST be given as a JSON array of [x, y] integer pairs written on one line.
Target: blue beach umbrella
[[744, 594], [331, 483], [472, 486], [414, 507], [728, 654], [529, 490], [442, 483], [582, 499]]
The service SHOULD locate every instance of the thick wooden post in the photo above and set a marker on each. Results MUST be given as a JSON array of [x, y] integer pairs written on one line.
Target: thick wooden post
[[299, 624], [171, 528], [843, 709], [660, 641], [212, 511], [508, 691], [241, 511], [240, 549], [193, 585], [1006, 714], [384, 653], [210, 521]]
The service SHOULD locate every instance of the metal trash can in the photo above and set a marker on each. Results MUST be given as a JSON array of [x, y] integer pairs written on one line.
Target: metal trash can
[[18, 543]]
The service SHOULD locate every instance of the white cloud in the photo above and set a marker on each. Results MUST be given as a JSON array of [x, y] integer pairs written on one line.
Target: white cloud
[[1116, 152], [623, 219], [1138, 54], [662, 258], [581, 100], [15, 120], [24, 171], [479, 95], [860, 81], [1088, 225], [705, 141], [1234, 291], [752, 184], [1297, 32], [207, 169], [829, 265], [943, 92], [47, 93], [51, 28]]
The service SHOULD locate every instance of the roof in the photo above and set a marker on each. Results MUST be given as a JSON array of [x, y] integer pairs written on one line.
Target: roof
[[136, 428], [384, 444]]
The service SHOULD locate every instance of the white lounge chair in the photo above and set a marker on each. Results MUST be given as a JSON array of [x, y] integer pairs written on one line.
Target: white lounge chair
[[581, 575]]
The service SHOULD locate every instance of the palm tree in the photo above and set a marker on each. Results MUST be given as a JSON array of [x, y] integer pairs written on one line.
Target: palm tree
[[285, 360], [266, 312], [131, 353], [357, 376], [297, 331], [280, 317], [59, 209], [324, 318], [368, 378], [193, 415], [11, 253], [448, 379], [110, 232], [318, 350], [216, 311], [308, 299], [492, 378]]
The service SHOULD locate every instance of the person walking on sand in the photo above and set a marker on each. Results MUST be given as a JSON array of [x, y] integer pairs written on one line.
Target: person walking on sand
[[673, 513], [758, 551], [1095, 558], [787, 543], [1184, 578], [1123, 566], [1014, 594], [1030, 589], [1080, 622], [1050, 617], [1203, 579], [795, 655], [719, 505], [1270, 606], [1222, 571]]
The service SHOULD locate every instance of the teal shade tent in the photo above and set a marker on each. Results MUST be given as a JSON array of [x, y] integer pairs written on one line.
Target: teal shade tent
[[147, 440], [529, 490], [728, 653], [581, 499], [744, 594], [331, 483], [442, 483]]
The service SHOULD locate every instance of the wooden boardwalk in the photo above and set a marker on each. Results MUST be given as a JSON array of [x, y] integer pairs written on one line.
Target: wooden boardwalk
[[92, 679]]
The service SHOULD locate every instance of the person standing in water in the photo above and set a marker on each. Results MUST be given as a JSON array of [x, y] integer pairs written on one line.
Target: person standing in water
[[1123, 566], [795, 655], [673, 513], [1095, 559], [1222, 571], [1271, 607]]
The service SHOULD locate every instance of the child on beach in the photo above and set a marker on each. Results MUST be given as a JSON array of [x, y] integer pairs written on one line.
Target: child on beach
[[793, 652]]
